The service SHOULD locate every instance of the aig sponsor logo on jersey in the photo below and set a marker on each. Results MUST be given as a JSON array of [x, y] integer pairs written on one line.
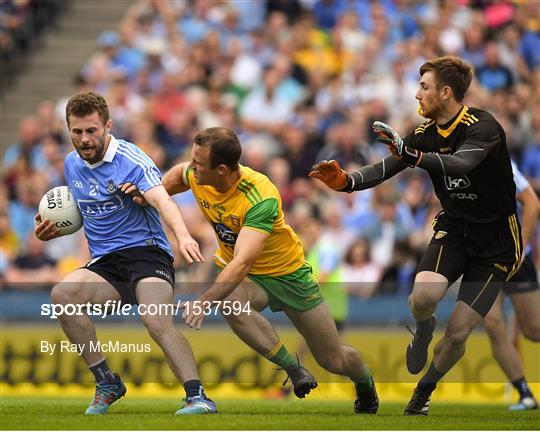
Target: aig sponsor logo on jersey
[[99, 209], [452, 183], [225, 234]]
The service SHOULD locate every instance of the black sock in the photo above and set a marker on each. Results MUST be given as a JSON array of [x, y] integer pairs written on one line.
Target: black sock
[[193, 388], [102, 372], [431, 378], [425, 326], [522, 387]]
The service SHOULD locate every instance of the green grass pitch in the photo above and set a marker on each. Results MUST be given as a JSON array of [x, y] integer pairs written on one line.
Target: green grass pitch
[[59, 413]]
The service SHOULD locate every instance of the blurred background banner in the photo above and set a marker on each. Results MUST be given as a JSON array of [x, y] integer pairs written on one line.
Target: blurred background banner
[[231, 370], [299, 81]]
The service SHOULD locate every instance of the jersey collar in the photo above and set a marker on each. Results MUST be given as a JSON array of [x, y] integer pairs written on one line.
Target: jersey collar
[[109, 154], [446, 131]]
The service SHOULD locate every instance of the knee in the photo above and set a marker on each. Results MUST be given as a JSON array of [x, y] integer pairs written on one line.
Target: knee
[[494, 325], [62, 295], [423, 301], [156, 326], [457, 335]]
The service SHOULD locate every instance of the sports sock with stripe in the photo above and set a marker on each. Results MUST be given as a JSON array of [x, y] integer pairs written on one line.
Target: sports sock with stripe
[[280, 356], [366, 382]]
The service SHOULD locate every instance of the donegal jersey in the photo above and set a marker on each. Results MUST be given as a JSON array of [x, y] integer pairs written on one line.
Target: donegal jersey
[[112, 221], [253, 202]]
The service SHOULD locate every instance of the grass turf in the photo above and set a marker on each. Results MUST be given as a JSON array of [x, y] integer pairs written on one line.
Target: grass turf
[[149, 414]]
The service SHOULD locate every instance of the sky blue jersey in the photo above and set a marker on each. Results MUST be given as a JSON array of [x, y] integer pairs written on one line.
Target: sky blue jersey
[[112, 221], [521, 184]]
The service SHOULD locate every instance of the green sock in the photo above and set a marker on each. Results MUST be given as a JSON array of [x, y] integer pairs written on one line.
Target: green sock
[[366, 382], [280, 356]]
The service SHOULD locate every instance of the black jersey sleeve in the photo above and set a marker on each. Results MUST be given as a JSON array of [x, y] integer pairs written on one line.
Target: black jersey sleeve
[[371, 175], [480, 139]]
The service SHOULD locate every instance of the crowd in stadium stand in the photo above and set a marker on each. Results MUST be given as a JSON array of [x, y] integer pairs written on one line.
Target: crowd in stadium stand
[[22, 23], [299, 81]]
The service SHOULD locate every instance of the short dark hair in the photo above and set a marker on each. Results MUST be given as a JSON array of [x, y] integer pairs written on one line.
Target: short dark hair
[[452, 72], [87, 103], [224, 146]]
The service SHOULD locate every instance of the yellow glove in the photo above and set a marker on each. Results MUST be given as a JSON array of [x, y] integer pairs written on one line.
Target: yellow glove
[[331, 174]]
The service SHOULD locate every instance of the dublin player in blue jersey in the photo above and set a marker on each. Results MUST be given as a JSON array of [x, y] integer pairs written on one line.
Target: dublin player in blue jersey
[[131, 258], [524, 292]]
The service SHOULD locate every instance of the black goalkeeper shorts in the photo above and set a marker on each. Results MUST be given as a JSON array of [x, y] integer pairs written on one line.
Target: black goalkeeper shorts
[[525, 280], [487, 255]]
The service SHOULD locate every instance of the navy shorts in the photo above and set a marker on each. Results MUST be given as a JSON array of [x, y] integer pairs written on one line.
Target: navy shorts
[[125, 267]]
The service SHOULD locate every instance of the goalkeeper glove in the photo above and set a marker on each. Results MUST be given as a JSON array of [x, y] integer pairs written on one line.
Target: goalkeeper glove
[[331, 174], [391, 138]]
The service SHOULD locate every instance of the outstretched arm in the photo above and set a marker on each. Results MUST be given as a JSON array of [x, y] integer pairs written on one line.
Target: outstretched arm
[[175, 179], [480, 140], [372, 175], [331, 174]]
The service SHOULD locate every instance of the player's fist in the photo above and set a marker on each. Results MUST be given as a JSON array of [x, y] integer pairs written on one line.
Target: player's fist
[[331, 174], [45, 229]]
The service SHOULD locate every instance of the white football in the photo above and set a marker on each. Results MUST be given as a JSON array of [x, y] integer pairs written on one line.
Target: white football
[[59, 206]]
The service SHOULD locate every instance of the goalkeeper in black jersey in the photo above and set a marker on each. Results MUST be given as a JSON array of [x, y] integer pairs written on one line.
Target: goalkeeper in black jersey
[[477, 234]]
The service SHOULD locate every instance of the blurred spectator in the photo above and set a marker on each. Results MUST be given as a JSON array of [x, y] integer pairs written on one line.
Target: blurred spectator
[[492, 74], [387, 226], [473, 49], [347, 147], [29, 145], [325, 260], [415, 199], [22, 23], [359, 272], [123, 103], [263, 110], [398, 276], [530, 165], [28, 193], [9, 243], [32, 266], [299, 152]]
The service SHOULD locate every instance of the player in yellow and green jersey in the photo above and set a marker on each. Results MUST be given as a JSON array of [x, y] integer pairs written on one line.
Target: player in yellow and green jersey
[[244, 208]]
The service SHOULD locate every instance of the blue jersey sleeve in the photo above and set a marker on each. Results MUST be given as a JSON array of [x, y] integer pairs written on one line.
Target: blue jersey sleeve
[[143, 172], [146, 177], [519, 179]]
